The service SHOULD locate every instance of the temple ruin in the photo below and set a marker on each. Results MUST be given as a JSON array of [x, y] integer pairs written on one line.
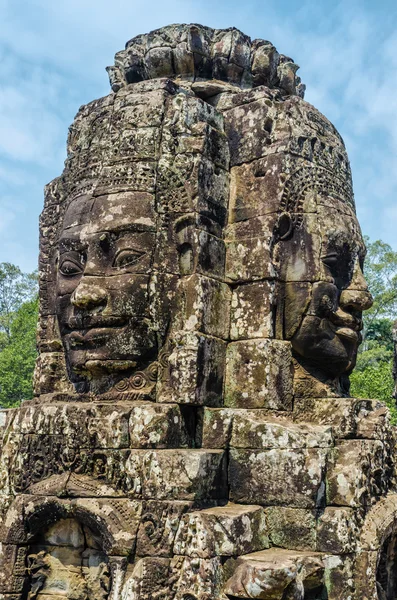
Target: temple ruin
[[192, 436]]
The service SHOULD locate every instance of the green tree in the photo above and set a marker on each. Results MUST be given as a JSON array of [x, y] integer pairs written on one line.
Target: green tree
[[18, 358], [381, 274], [15, 288], [18, 319], [372, 377]]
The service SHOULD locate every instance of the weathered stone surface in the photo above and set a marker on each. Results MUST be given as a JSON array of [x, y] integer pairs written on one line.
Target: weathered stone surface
[[349, 417], [272, 574], [258, 375], [229, 530], [357, 472], [157, 426], [337, 530], [252, 311], [278, 477], [184, 383], [256, 431], [291, 528], [159, 526]]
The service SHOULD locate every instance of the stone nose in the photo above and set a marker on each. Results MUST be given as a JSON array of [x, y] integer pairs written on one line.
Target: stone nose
[[357, 296], [88, 296], [356, 299]]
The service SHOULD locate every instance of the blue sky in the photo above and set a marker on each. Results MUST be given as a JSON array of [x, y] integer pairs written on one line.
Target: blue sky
[[53, 56]]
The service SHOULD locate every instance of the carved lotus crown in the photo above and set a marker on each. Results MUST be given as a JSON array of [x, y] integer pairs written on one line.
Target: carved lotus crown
[[195, 53]]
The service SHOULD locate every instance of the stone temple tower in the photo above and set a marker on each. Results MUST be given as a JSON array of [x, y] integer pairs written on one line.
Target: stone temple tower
[[201, 295]]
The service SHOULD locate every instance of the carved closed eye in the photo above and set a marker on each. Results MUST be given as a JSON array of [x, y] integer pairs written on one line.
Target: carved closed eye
[[331, 259], [127, 258], [69, 267]]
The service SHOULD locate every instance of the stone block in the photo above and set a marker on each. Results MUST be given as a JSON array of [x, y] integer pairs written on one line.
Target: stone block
[[84, 425], [252, 311], [338, 530], [178, 474], [215, 427], [357, 471], [203, 305], [153, 425], [158, 527], [147, 578], [291, 528], [249, 259], [256, 188], [208, 141], [247, 127], [336, 412], [274, 573], [342, 579], [229, 530], [195, 370], [291, 478], [259, 375], [199, 578], [264, 432], [191, 183], [363, 575]]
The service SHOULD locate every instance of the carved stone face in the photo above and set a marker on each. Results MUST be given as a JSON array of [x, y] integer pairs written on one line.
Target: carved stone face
[[325, 290], [103, 284]]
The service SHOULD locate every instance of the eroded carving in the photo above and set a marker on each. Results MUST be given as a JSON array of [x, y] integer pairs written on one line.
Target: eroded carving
[[201, 298]]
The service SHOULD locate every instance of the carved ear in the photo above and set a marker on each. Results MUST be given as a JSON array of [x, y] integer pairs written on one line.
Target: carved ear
[[184, 236], [284, 227]]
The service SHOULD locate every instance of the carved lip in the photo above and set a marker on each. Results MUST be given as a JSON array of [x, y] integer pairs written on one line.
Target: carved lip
[[88, 322], [347, 333], [342, 320], [94, 335]]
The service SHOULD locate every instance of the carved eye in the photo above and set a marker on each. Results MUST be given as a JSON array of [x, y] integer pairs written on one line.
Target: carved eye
[[331, 260], [69, 267], [126, 258]]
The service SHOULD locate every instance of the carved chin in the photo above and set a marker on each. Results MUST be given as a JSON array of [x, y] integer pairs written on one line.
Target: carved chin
[[331, 351], [111, 352]]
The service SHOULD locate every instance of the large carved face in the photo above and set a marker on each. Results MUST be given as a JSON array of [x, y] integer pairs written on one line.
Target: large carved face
[[103, 284], [324, 288]]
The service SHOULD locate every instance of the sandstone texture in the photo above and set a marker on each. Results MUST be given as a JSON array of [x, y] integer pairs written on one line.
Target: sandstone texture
[[192, 436]]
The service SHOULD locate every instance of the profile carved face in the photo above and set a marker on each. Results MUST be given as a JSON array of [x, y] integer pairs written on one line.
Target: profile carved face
[[324, 291], [106, 284]]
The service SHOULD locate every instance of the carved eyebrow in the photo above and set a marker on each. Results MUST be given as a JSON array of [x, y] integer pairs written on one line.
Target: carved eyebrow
[[125, 227], [66, 244]]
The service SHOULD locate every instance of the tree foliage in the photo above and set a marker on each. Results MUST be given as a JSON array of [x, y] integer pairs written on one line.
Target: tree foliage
[[17, 358], [18, 319], [372, 377]]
